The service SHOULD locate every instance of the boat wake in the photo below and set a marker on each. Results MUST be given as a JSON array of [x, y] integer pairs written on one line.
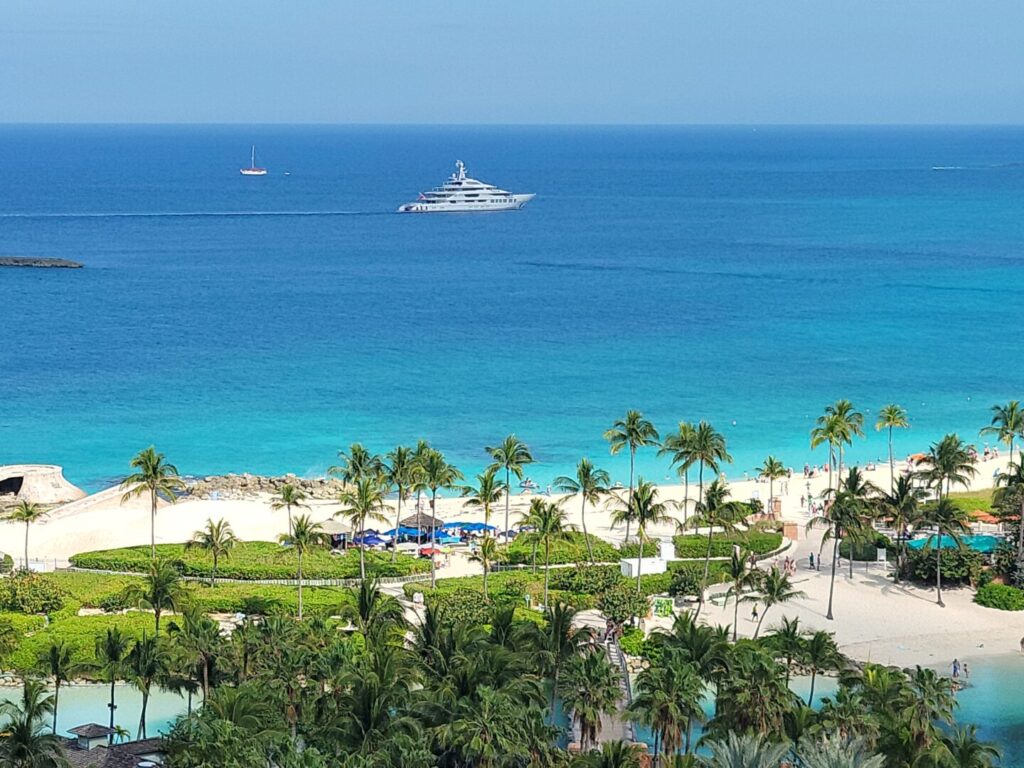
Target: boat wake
[[184, 214]]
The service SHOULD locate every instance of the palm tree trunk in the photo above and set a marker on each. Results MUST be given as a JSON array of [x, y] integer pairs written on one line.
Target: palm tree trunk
[[832, 582], [508, 494], [433, 538], [300, 585], [26, 544], [632, 455], [112, 705], [735, 614], [586, 537], [547, 569], [686, 496], [700, 482], [152, 523], [689, 727], [892, 465], [142, 717], [1020, 532], [771, 496], [289, 508], [810, 696], [56, 701], [487, 594], [760, 621], [853, 543], [206, 680], [639, 558], [156, 616], [398, 522], [362, 560], [938, 569], [213, 575]]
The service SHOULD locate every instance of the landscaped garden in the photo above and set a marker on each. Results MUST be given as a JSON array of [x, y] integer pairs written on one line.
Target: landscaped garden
[[253, 560]]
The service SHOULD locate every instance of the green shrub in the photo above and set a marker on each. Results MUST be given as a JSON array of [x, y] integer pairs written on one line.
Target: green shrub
[[1001, 597], [866, 550], [572, 550], [632, 641], [27, 592], [586, 579], [460, 607], [959, 566], [685, 582], [621, 603], [6, 563], [693, 545], [252, 560]]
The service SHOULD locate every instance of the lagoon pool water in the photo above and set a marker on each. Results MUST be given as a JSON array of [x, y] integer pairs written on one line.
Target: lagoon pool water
[[981, 543], [81, 704]]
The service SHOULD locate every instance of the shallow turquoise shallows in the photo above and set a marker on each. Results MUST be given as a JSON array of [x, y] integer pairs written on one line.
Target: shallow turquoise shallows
[[748, 276], [981, 543]]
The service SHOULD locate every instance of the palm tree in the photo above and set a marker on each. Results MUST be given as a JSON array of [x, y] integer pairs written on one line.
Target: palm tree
[[613, 754], [288, 497], [486, 493], [850, 424], [361, 502], [217, 539], [24, 744], [774, 588], [590, 483], [749, 750], [304, 536], [549, 523], [951, 521], [966, 750], [155, 476], [401, 471], [1007, 424], [714, 511], [198, 637], [161, 589], [633, 432], [679, 445], [559, 640], [1007, 483], [645, 510], [111, 653], [437, 474], [843, 517], [742, 579], [947, 463], [25, 512], [892, 417], [146, 663], [902, 508], [486, 554], [357, 462], [708, 449], [772, 469], [512, 454], [787, 640], [820, 654], [828, 429], [837, 752], [668, 701], [589, 688], [56, 662]]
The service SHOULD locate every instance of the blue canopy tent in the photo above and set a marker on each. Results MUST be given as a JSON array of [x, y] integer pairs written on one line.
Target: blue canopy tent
[[369, 540], [403, 530], [445, 538]]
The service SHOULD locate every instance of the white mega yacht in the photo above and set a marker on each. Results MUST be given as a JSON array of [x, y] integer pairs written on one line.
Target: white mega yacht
[[461, 194]]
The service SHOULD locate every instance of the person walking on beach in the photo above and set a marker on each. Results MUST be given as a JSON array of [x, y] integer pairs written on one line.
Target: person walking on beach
[[956, 669], [810, 557], [753, 613]]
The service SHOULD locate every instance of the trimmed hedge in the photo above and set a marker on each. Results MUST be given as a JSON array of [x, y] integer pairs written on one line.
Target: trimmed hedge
[[573, 550], [866, 551], [1001, 597], [252, 560], [694, 545]]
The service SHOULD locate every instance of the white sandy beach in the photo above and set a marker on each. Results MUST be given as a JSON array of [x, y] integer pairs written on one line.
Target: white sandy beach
[[875, 619]]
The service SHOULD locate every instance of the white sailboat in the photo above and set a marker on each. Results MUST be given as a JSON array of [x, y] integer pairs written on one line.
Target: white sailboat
[[252, 170]]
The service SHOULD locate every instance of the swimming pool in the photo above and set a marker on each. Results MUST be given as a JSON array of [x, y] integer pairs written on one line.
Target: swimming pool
[[982, 543]]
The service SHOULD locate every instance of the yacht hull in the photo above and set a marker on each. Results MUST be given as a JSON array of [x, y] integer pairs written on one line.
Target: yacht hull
[[513, 204]]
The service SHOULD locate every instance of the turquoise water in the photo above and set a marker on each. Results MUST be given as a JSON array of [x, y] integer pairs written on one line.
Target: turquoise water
[[82, 704], [980, 543], [993, 700], [747, 276]]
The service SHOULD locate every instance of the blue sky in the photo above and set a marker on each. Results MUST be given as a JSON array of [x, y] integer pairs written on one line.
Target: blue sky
[[526, 61]]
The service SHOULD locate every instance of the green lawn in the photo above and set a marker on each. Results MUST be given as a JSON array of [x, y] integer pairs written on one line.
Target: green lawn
[[572, 549], [694, 545], [253, 560], [972, 500]]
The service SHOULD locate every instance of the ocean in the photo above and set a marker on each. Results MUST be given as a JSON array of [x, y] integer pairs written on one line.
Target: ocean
[[748, 276]]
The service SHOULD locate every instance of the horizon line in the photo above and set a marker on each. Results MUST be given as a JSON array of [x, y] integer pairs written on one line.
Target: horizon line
[[330, 124]]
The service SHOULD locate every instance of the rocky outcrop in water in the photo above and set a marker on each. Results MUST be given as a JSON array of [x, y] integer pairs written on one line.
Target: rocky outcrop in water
[[246, 486], [38, 261]]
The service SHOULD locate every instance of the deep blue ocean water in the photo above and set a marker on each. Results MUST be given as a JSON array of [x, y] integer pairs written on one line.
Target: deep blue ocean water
[[746, 276]]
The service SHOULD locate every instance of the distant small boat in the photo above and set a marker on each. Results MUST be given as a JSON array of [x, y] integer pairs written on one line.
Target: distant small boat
[[252, 170]]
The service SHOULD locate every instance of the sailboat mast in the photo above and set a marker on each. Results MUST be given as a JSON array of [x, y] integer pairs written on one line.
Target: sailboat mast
[[252, 162]]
